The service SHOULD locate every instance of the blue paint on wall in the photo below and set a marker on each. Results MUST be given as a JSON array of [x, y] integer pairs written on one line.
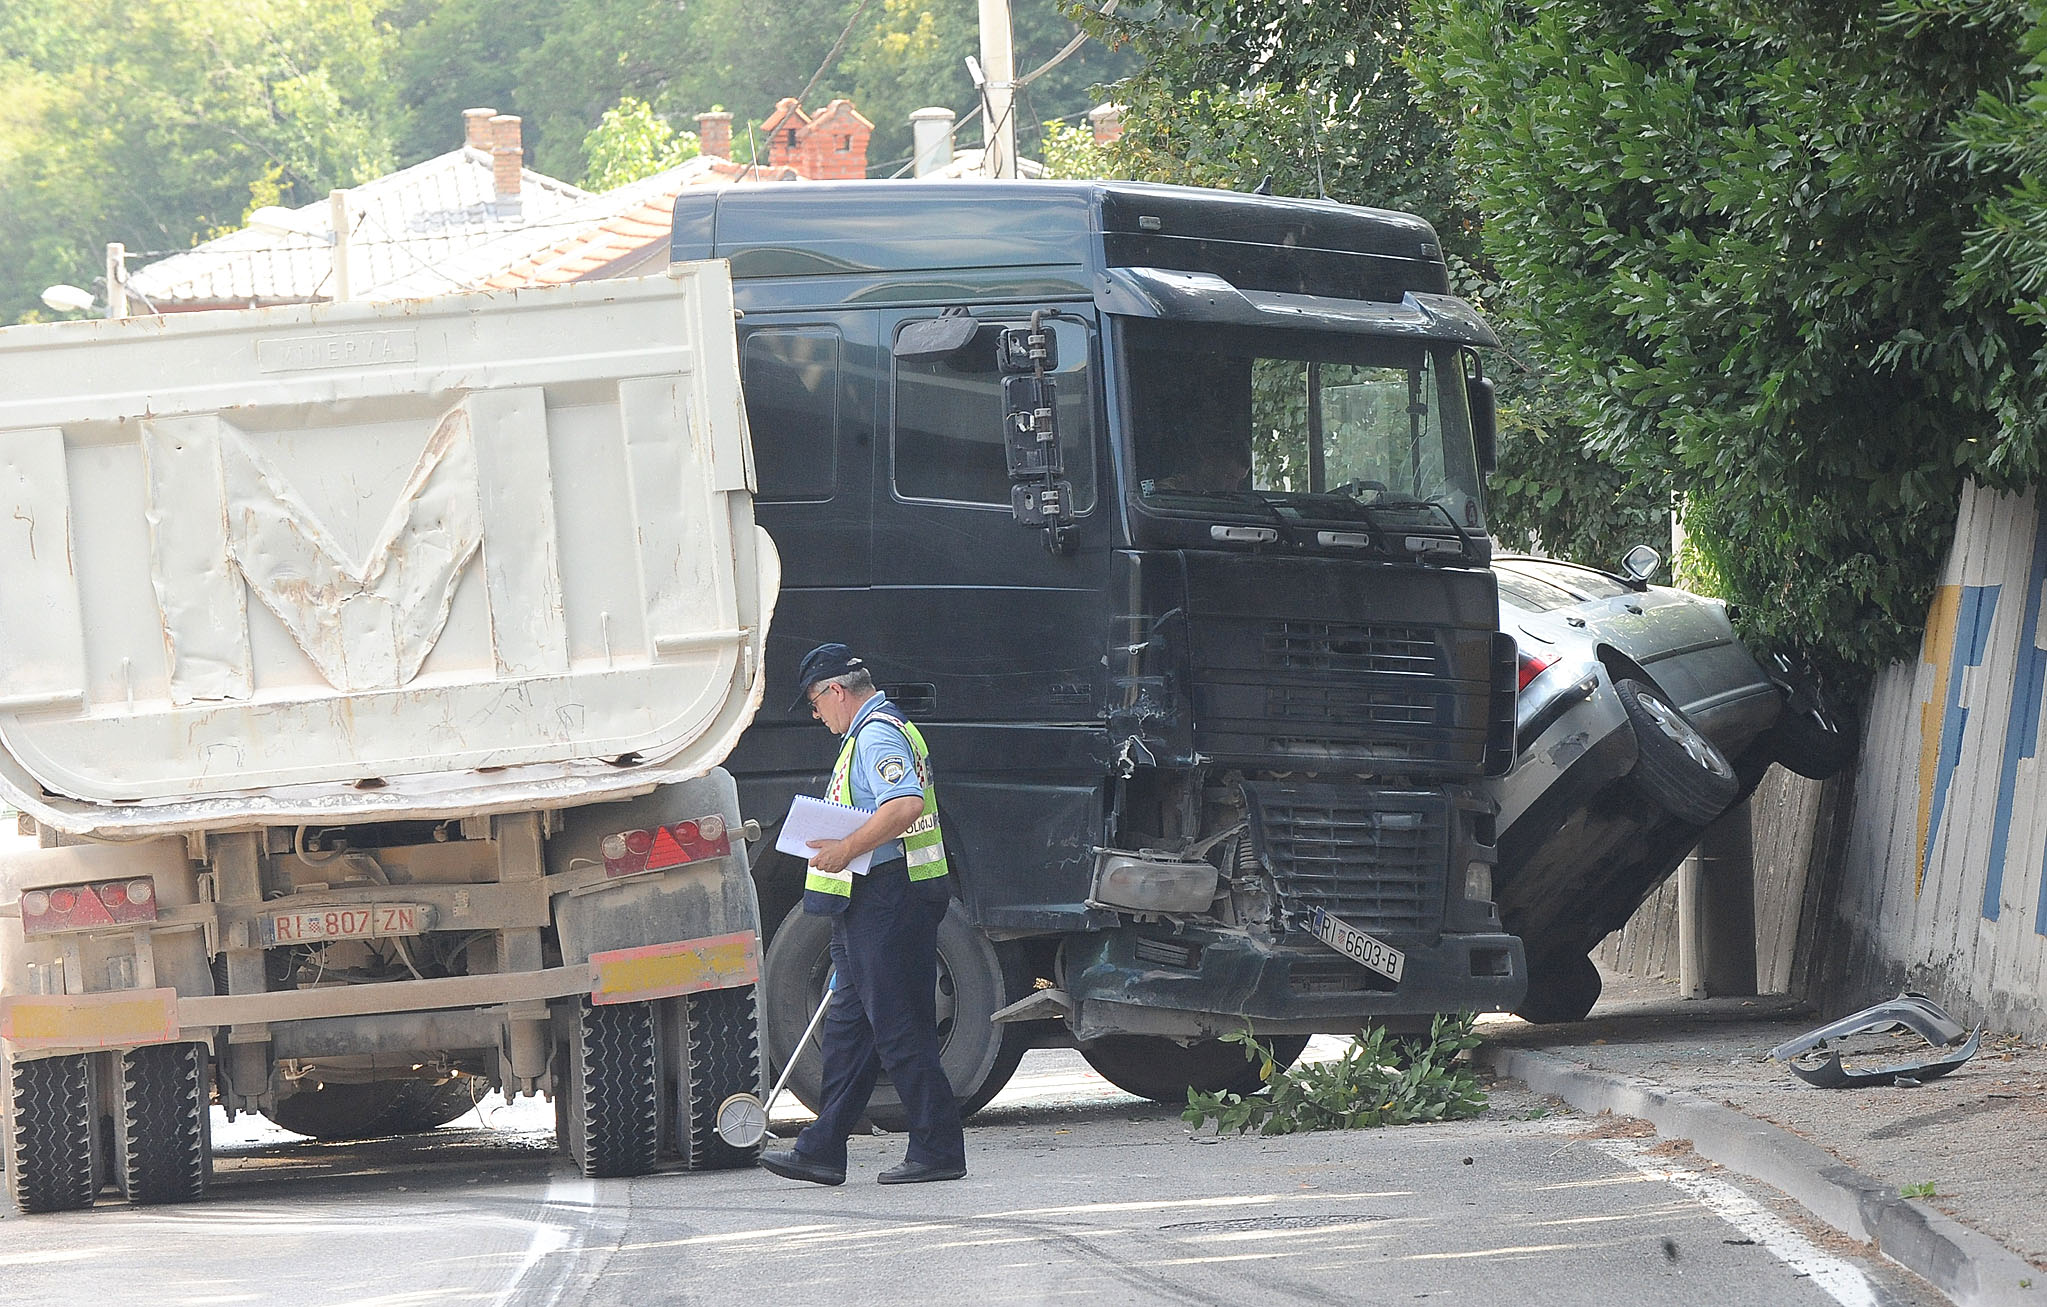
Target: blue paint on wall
[[2022, 731], [1972, 637]]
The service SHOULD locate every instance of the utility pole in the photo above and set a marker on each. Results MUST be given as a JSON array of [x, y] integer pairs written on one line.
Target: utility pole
[[998, 63]]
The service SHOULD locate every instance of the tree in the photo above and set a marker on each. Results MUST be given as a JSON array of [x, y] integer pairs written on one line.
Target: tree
[[157, 125], [1745, 236], [630, 143]]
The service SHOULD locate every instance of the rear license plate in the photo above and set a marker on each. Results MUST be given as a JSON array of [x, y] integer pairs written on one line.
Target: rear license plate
[[1369, 953], [360, 921]]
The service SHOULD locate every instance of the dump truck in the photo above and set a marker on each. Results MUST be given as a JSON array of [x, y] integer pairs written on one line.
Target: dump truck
[[365, 673]]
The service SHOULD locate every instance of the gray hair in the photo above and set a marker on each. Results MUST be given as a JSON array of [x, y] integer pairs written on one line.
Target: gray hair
[[857, 681]]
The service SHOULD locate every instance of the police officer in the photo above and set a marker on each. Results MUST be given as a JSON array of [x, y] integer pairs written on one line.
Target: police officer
[[884, 934]]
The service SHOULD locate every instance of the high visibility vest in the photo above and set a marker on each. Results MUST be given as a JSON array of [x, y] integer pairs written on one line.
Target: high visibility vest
[[827, 893]]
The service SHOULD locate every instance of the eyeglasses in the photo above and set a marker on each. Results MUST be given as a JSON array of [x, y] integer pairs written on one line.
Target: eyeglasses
[[813, 698]]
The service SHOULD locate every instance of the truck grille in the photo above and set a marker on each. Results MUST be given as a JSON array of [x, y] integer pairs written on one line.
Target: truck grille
[[1375, 858], [1296, 646]]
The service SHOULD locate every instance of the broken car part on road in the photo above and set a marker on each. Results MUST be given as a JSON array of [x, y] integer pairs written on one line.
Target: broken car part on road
[[1813, 1062]]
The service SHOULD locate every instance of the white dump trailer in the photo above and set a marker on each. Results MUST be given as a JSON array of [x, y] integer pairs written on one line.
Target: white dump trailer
[[365, 671]]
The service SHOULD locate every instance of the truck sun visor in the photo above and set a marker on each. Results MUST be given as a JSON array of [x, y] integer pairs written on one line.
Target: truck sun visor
[[1174, 295]]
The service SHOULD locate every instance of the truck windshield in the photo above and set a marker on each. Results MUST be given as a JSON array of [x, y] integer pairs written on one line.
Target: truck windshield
[[1314, 426]]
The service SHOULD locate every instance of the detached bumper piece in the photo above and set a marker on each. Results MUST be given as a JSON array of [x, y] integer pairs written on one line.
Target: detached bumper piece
[[1949, 1046]]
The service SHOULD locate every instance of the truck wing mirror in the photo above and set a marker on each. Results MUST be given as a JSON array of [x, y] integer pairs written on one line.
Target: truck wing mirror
[[1478, 390], [936, 338], [1024, 349], [1039, 495]]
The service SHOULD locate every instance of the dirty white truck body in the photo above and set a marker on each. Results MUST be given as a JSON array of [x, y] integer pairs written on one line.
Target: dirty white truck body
[[365, 670]]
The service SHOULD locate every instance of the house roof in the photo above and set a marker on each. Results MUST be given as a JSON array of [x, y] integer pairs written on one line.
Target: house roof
[[406, 221], [596, 233]]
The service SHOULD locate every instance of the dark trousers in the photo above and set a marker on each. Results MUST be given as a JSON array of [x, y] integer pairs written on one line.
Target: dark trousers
[[884, 1018]]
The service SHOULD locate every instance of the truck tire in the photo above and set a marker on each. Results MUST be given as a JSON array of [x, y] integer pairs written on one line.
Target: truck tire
[[721, 1057], [1560, 990], [49, 1135], [1154, 1067], [340, 1110], [613, 1103], [976, 978], [161, 1138], [1677, 768]]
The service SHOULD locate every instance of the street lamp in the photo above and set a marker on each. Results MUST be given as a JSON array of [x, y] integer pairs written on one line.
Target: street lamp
[[68, 299]]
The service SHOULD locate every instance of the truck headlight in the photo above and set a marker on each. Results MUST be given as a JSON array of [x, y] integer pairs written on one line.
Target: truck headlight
[[1478, 882]]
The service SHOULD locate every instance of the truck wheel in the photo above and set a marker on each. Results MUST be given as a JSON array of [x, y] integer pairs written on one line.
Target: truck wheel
[[339, 1110], [721, 1057], [1560, 990], [976, 978], [49, 1135], [1154, 1067], [615, 1090], [1678, 769], [161, 1137]]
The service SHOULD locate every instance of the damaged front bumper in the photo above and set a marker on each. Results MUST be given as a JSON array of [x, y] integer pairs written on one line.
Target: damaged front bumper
[[1813, 1062], [1201, 982]]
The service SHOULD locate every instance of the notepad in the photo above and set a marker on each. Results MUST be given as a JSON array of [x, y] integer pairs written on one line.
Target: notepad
[[814, 819]]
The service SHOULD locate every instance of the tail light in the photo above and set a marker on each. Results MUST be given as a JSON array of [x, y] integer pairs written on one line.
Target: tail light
[[1533, 665], [628, 853], [100, 903]]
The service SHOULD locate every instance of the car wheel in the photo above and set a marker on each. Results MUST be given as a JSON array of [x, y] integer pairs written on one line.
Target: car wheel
[[1560, 990], [1677, 768]]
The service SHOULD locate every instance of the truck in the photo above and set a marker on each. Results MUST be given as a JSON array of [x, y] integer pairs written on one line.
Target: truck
[[365, 673], [1160, 511]]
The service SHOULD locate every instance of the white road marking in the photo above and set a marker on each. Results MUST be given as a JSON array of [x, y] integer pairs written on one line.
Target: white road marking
[[1840, 1280], [570, 1198]]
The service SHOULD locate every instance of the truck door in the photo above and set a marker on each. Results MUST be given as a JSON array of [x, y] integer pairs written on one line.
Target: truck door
[[992, 641]]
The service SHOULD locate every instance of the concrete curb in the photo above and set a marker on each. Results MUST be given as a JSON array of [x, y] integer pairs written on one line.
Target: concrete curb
[[1971, 1269]]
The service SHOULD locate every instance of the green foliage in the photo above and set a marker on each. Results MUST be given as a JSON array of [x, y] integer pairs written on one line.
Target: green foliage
[[1379, 1080], [629, 143], [1071, 153], [157, 124], [1770, 254], [1924, 1189]]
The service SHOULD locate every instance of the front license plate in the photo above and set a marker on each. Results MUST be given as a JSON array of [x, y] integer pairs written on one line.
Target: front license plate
[[361, 921], [1369, 953]]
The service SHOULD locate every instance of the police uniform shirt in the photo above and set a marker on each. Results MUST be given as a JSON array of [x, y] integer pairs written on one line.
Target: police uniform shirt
[[883, 766]]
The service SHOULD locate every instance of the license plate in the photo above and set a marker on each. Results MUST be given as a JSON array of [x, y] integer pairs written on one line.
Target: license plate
[[359, 921], [1369, 953]]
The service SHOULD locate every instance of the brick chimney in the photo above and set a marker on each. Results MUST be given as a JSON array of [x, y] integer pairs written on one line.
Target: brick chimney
[[1107, 120], [714, 134], [784, 129], [476, 128], [507, 157], [835, 143]]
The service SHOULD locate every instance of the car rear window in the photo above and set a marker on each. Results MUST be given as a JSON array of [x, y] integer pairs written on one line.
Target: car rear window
[[1582, 582], [1531, 593]]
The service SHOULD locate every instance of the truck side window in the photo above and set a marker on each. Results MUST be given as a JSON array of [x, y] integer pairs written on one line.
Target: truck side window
[[948, 422], [791, 381]]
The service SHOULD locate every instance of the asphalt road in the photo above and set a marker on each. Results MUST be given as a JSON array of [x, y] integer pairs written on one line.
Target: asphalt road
[[1077, 1193]]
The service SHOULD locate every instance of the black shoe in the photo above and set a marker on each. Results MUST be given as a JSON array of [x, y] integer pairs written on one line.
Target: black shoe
[[917, 1173], [791, 1166]]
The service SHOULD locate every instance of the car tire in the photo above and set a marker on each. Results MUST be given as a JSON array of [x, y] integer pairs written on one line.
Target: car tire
[[1676, 767], [1154, 1067], [1560, 990]]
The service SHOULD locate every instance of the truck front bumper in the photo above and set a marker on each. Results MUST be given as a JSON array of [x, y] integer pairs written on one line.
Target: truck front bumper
[[1199, 983]]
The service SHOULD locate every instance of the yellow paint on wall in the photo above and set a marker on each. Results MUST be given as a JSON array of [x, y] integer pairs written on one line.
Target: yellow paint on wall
[[1938, 651]]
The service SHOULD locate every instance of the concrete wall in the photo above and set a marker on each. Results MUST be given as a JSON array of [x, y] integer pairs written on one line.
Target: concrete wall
[[1940, 883], [1787, 813]]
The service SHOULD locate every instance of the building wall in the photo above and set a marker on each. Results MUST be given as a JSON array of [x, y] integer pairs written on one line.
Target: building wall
[[1940, 883]]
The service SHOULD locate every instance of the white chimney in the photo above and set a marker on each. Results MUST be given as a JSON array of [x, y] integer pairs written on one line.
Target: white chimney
[[931, 129]]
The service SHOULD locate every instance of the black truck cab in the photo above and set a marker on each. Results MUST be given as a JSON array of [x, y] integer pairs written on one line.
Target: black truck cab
[[1160, 511]]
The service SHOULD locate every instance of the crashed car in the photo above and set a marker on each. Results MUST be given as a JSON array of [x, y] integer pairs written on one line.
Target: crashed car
[[1641, 718]]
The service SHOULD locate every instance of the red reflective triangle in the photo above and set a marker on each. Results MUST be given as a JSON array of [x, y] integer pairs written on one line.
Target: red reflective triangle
[[89, 911], [666, 852]]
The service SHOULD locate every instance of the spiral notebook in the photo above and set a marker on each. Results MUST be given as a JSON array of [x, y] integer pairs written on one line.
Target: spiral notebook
[[815, 819]]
